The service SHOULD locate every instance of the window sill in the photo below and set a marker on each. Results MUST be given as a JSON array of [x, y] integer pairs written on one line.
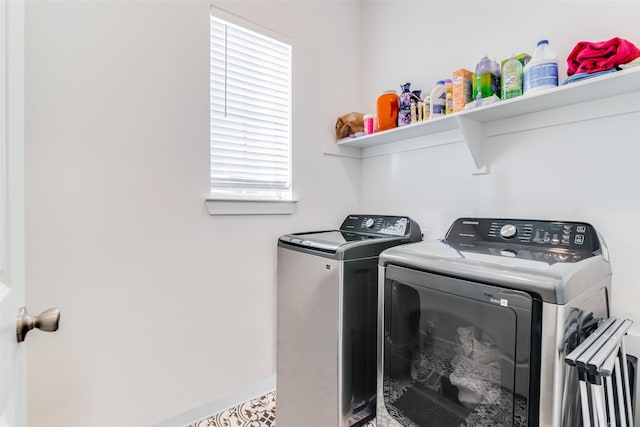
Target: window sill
[[250, 207]]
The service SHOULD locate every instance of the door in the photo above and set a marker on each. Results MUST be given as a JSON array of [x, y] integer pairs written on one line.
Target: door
[[12, 367], [459, 352]]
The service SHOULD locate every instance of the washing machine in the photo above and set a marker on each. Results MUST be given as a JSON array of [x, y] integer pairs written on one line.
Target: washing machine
[[327, 320], [474, 327]]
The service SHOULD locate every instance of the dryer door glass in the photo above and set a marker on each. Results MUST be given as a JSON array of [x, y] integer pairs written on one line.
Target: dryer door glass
[[456, 353]]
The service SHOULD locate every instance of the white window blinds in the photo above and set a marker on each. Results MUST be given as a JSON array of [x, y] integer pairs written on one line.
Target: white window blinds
[[250, 114]]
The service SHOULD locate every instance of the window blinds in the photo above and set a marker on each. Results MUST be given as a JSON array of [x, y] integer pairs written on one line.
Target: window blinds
[[250, 114]]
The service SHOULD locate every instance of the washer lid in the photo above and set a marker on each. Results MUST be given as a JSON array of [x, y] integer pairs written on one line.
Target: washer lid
[[328, 241], [557, 274], [359, 236]]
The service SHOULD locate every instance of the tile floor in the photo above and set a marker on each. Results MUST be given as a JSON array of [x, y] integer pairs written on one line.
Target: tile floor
[[259, 412]]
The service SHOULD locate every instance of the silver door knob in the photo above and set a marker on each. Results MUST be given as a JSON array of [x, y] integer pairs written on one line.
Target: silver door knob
[[47, 321]]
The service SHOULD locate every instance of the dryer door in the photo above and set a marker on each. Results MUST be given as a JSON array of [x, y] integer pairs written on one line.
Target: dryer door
[[457, 353]]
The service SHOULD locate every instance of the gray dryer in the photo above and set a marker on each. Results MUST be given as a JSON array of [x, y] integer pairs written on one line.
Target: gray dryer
[[475, 326]]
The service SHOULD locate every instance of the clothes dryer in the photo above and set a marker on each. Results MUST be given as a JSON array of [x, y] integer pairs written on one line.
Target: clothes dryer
[[474, 328]]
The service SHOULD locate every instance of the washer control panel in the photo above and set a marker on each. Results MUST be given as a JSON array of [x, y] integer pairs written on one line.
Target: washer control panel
[[378, 224], [556, 241]]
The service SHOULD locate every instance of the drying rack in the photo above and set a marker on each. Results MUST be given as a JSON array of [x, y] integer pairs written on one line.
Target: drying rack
[[601, 366]]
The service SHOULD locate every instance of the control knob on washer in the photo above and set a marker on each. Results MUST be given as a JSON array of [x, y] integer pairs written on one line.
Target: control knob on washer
[[508, 231], [369, 222]]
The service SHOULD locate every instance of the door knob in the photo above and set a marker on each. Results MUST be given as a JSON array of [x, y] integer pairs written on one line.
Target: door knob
[[47, 321]]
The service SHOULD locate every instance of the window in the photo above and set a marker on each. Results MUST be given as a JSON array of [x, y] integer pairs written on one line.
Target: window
[[250, 109]]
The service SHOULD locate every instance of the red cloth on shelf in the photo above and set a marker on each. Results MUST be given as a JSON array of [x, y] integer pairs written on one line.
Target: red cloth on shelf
[[590, 57]]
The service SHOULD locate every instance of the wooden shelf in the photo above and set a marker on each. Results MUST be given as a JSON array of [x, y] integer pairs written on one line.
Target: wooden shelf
[[470, 126]]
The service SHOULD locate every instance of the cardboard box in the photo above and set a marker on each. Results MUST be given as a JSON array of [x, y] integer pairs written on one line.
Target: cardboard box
[[462, 89]]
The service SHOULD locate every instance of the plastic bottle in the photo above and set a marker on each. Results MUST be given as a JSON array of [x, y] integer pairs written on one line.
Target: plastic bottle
[[426, 114], [495, 78], [368, 123], [438, 100], [404, 114], [448, 86], [416, 108], [387, 111], [542, 71], [511, 78], [487, 81]]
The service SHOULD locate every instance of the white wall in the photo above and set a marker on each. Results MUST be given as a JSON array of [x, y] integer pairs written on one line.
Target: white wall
[[164, 308], [425, 41], [585, 171]]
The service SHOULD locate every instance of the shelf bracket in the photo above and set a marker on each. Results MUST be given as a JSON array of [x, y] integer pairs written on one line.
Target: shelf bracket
[[473, 135]]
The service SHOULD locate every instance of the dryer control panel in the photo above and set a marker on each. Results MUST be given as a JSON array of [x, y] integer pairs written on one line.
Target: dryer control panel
[[558, 241]]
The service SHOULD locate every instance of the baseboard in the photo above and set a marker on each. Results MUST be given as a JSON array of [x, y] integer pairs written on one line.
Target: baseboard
[[230, 400]]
